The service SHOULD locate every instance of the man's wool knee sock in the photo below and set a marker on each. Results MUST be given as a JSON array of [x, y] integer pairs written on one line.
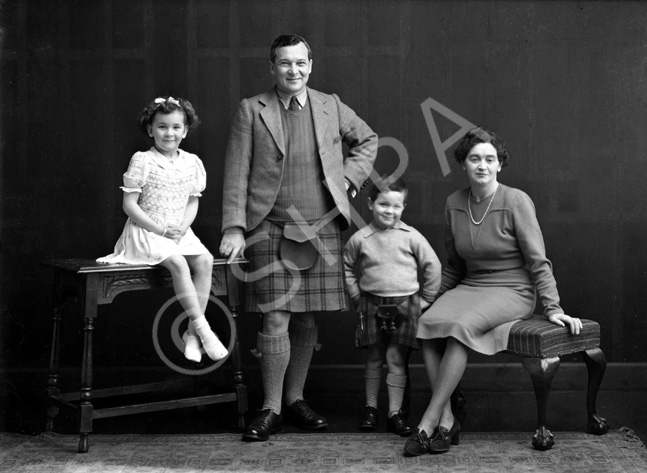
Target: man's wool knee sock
[[274, 359], [302, 343]]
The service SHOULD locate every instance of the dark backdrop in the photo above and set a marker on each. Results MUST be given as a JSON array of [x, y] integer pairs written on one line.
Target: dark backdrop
[[564, 83]]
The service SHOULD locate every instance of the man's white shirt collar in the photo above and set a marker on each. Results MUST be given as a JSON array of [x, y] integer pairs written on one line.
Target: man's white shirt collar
[[302, 98]]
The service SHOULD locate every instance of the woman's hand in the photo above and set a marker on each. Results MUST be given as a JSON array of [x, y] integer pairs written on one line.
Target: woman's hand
[[424, 305], [562, 320]]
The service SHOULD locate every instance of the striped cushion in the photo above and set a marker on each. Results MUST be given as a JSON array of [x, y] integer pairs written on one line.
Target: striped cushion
[[537, 337]]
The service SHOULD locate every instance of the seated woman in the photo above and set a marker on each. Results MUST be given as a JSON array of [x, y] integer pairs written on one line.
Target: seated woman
[[496, 267]]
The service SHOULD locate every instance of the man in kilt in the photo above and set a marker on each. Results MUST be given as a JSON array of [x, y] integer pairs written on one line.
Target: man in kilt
[[285, 200]]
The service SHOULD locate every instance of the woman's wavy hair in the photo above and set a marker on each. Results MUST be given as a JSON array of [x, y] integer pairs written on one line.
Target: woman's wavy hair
[[476, 136]]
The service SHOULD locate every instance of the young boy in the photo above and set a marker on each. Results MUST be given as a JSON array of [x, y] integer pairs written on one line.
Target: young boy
[[381, 265]]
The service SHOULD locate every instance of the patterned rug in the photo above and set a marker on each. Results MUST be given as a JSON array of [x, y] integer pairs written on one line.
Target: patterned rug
[[618, 451]]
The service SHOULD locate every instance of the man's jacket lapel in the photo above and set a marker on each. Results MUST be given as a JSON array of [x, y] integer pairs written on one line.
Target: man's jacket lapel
[[271, 115]]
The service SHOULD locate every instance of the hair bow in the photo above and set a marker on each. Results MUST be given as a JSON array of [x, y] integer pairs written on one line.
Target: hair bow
[[160, 100]]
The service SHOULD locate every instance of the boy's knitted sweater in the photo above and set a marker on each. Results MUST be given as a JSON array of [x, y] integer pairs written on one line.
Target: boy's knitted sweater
[[386, 262]]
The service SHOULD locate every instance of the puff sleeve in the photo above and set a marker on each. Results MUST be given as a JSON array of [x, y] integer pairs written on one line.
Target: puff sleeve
[[137, 173], [200, 178]]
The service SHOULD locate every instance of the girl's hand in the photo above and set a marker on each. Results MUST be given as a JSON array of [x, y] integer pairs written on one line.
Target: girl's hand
[[174, 232], [574, 324]]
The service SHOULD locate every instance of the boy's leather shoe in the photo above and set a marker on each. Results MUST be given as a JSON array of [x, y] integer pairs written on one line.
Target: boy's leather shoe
[[370, 419], [396, 425], [266, 423], [305, 417]]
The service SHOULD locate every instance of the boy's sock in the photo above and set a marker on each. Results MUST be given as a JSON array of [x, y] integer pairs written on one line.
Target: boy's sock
[[395, 385], [372, 381], [210, 342], [302, 344], [275, 356]]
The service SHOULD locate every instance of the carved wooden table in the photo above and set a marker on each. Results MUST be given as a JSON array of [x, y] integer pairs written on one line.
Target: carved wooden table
[[96, 284]]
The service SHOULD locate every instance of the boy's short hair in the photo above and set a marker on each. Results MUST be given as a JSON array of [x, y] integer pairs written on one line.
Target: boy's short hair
[[388, 183]]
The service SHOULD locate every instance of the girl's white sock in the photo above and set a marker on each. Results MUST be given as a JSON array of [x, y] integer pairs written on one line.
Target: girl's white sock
[[210, 342]]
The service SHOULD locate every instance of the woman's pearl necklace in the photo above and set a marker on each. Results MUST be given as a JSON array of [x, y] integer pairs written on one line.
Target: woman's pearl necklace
[[469, 207]]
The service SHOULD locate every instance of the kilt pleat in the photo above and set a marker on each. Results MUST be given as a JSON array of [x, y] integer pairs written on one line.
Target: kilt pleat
[[271, 285]]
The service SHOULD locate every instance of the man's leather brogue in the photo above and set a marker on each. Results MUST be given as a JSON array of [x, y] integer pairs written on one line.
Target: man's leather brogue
[[266, 423], [305, 417]]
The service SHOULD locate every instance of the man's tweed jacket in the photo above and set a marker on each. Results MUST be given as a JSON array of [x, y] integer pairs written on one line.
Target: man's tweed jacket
[[254, 160]]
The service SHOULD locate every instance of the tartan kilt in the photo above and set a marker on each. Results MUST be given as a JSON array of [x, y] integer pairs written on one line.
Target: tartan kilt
[[273, 286], [407, 323]]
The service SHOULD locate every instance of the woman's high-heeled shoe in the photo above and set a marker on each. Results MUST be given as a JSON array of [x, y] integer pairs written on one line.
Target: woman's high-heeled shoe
[[192, 347], [444, 438], [417, 444]]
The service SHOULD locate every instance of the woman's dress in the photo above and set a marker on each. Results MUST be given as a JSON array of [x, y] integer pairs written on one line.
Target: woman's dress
[[494, 274], [165, 187]]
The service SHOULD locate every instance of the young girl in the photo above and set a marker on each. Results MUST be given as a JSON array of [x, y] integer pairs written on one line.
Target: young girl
[[381, 263], [161, 190]]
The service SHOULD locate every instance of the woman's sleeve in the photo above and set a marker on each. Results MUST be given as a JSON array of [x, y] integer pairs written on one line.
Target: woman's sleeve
[[455, 269], [200, 178], [531, 242], [137, 173]]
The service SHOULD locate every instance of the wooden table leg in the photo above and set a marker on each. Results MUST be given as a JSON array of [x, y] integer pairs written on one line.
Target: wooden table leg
[[86, 408], [87, 365], [232, 274], [53, 390], [239, 380]]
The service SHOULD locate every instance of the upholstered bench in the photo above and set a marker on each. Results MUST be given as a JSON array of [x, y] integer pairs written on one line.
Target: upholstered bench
[[541, 344]]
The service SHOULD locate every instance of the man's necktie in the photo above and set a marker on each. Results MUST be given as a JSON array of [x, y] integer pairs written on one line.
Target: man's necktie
[[294, 104]]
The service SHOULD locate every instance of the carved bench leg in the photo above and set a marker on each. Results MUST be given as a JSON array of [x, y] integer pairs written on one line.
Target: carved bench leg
[[542, 371], [596, 364]]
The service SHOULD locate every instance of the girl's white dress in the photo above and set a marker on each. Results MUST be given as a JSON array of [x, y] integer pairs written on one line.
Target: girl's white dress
[[164, 186]]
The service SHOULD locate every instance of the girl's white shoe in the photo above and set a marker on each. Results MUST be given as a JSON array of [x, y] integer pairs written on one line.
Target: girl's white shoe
[[210, 342], [192, 349], [213, 347]]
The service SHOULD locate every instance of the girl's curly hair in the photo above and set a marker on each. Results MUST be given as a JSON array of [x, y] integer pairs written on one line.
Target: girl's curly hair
[[167, 105]]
